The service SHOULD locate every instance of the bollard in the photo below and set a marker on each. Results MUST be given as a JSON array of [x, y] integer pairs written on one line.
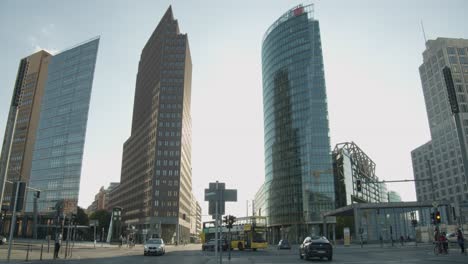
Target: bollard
[[48, 243], [42, 248], [27, 252]]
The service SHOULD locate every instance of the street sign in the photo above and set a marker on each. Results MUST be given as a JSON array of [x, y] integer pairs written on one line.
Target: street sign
[[217, 192]]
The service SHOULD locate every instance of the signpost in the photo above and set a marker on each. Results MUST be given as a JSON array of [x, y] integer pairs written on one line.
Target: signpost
[[216, 195]]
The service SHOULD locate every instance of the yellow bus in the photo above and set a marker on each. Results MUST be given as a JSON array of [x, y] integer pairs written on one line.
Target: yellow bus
[[246, 233]]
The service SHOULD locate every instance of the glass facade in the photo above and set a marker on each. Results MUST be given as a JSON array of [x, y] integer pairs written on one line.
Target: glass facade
[[351, 165], [299, 182], [58, 151]]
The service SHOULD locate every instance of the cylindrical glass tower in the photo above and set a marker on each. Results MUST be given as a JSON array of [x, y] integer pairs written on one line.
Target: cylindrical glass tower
[[298, 166]]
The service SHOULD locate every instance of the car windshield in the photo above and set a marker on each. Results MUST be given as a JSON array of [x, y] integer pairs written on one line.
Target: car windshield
[[318, 238], [154, 241]]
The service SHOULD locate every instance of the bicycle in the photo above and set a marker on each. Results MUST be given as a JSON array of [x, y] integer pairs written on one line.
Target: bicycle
[[439, 248]]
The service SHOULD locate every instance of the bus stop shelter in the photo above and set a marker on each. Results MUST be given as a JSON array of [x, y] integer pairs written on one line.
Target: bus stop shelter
[[378, 222]]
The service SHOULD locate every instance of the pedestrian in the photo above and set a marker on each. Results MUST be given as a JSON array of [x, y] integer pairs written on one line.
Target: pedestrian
[[402, 240], [461, 241], [443, 243], [121, 241], [58, 242]]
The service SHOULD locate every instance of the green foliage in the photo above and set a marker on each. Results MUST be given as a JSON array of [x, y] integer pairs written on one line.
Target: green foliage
[[103, 217], [81, 217]]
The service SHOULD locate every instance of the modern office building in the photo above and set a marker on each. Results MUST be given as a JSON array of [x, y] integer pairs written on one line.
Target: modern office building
[[156, 178], [299, 182], [22, 123], [439, 162], [60, 136], [394, 197], [352, 167], [47, 126]]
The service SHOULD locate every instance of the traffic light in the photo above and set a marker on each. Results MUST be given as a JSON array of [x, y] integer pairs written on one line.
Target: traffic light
[[225, 219], [358, 185], [437, 217], [38, 194], [231, 221], [433, 221]]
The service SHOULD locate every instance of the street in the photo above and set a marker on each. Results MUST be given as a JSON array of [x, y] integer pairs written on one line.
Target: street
[[192, 254]]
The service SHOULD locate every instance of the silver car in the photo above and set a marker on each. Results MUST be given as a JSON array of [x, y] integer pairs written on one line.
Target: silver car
[[155, 246]]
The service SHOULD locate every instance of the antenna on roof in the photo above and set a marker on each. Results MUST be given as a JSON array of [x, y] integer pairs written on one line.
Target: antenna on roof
[[424, 33]]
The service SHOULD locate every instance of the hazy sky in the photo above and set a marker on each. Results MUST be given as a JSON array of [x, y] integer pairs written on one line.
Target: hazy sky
[[372, 51]]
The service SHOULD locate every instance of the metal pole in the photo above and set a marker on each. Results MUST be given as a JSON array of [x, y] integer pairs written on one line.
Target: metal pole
[[5, 173], [13, 221], [461, 139], [95, 236], [220, 232], [229, 245], [35, 216], [216, 224]]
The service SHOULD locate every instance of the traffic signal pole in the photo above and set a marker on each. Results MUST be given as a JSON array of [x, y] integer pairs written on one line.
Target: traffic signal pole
[[13, 222]]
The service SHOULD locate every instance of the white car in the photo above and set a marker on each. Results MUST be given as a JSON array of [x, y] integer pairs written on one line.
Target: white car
[[452, 237], [155, 246]]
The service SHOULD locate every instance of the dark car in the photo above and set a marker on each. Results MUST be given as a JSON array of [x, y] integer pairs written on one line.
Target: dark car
[[210, 245], [316, 246], [284, 244]]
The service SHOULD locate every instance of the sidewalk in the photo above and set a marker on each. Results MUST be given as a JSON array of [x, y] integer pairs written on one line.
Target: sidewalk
[[30, 250]]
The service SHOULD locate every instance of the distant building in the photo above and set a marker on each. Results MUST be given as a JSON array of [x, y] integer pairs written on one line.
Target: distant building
[[155, 188], [383, 193], [351, 167], [259, 202], [195, 221], [438, 164], [101, 199], [394, 197]]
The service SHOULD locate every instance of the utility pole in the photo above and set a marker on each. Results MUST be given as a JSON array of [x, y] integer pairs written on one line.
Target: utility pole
[[13, 221], [216, 225], [452, 96], [5, 169]]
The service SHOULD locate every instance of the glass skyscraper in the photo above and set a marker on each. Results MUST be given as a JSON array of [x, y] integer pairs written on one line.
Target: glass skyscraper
[[299, 182], [60, 136]]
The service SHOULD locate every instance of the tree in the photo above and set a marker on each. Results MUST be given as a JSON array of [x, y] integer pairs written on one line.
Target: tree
[[103, 217], [81, 217]]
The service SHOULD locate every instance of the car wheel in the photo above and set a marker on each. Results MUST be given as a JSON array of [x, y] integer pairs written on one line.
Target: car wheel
[[254, 249], [330, 258], [300, 254]]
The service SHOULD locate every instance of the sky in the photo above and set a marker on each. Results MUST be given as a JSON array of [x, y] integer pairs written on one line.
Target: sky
[[371, 51]]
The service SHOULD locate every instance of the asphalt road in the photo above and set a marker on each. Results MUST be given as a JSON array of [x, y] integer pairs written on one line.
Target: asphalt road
[[193, 254]]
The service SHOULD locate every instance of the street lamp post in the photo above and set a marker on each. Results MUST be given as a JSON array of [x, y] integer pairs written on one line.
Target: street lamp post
[[13, 221]]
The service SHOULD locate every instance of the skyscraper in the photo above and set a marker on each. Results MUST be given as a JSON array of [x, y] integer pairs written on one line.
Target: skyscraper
[[60, 136], [47, 126], [439, 162], [22, 122], [156, 178], [299, 182]]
